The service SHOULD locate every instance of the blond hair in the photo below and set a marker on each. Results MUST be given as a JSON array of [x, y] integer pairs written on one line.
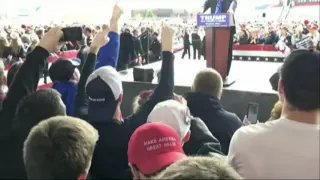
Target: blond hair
[[59, 148], [208, 81], [16, 45], [140, 99], [276, 111], [199, 168]]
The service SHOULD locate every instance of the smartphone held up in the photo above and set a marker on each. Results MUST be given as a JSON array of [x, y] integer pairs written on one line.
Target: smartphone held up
[[71, 34]]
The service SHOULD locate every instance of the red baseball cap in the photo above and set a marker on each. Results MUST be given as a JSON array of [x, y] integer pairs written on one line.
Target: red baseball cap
[[154, 146]]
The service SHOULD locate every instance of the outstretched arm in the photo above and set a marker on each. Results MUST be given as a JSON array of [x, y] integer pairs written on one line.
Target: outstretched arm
[[27, 78], [164, 90], [108, 54]]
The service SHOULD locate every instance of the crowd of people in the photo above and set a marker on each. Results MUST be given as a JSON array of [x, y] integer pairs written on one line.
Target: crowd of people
[[273, 33], [75, 130]]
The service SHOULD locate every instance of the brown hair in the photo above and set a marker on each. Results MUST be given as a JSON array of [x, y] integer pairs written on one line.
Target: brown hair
[[3, 44], [199, 168], [59, 148], [208, 81]]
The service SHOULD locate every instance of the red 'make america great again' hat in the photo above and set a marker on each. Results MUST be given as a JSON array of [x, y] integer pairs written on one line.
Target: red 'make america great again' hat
[[154, 146]]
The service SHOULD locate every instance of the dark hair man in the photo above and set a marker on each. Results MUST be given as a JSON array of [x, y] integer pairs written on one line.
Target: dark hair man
[[25, 82], [276, 154], [59, 148], [31, 110], [204, 102], [196, 44], [88, 34], [104, 89]]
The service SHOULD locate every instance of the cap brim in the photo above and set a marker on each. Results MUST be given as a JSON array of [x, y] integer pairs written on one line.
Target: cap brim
[[154, 164]]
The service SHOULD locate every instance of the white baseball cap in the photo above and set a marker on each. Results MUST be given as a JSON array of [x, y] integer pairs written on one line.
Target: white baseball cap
[[173, 114], [103, 87]]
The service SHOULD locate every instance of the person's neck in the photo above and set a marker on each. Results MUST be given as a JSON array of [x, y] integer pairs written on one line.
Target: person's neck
[[310, 117]]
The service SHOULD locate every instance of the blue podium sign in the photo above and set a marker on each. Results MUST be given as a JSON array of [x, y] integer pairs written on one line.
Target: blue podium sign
[[213, 20]]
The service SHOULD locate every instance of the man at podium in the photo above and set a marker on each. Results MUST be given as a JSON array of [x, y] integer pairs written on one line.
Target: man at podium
[[224, 6]]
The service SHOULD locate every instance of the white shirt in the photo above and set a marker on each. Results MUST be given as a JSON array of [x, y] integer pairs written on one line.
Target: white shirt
[[280, 149]]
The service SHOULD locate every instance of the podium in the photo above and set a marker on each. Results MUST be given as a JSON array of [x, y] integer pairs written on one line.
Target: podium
[[217, 29]]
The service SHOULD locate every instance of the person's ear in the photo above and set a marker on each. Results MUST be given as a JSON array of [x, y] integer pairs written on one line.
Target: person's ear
[[187, 137], [83, 176], [281, 90]]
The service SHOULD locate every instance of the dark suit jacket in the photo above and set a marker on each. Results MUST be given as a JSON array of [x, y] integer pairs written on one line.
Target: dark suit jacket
[[226, 5], [137, 47], [82, 55]]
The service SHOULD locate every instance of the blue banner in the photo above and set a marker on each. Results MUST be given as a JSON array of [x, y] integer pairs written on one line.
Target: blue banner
[[213, 20]]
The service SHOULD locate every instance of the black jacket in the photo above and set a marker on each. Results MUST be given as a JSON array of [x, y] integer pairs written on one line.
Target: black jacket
[[287, 40], [110, 156], [186, 39], [156, 47], [11, 143], [201, 142], [196, 40], [146, 41], [272, 38], [127, 53], [82, 55], [137, 47], [226, 4], [221, 123], [25, 82]]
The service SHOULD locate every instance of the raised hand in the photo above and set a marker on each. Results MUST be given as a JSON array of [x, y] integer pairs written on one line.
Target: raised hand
[[117, 12], [167, 35], [99, 40], [50, 41]]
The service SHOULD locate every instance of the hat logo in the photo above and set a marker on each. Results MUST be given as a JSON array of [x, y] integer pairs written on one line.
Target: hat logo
[[97, 99], [162, 142]]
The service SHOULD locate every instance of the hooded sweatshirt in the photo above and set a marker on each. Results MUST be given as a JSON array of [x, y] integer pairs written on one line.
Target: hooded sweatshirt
[[68, 92]]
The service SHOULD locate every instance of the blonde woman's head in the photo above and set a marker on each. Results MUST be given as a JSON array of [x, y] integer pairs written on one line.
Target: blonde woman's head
[[16, 42], [276, 111], [141, 99]]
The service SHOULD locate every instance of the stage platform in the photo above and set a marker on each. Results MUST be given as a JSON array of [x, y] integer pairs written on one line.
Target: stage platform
[[252, 84]]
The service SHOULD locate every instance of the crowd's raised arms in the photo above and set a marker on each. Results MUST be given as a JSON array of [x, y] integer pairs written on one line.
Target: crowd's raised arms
[[76, 129]]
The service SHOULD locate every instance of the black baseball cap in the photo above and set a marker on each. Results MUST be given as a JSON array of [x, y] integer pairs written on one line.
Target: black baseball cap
[[62, 69]]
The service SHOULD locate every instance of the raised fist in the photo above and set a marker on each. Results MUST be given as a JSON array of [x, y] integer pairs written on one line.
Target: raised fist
[[100, 39], [50, 40], [167, 34], [117, 12]]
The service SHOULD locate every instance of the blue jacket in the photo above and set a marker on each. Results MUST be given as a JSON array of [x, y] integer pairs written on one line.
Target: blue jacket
[[68, 92], [108, 54]]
